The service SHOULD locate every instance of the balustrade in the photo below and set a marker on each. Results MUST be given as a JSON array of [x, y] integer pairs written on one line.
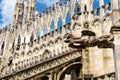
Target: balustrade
[[35, 58]]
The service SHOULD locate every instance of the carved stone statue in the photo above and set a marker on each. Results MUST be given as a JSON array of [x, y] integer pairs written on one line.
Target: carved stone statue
[[80, 38], [1, 65], [106, 41]]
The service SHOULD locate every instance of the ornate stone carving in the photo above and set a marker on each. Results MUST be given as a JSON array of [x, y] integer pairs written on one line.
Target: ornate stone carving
[[40, 58], [1, 65], [106, 41]]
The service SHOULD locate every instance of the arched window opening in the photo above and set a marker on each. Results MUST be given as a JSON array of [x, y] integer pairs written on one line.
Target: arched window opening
[[38, 36], [19, 39], [3, 44], [32, 37], [45, 30], [24, 39], [52, 26], [13, 45], [68, 18], [18, 43], [2, 48], [59, 22], [85, 8], [77, 8]]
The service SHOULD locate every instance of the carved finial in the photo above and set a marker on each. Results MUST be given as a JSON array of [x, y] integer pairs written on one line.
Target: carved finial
[[39, 15], [57, 4], [47, 11], [50, 9], [0, 31], [53, 7], [60, 3]]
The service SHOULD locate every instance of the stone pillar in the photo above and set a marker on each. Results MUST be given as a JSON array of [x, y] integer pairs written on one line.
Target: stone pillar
[[101, 9], [51, 76], [116, 32], [55, 76], [108, 60], [115, 11], [117, 54]]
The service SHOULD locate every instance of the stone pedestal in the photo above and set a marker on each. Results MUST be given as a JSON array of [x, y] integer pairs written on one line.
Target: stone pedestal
[[116, 54], [116, 32]]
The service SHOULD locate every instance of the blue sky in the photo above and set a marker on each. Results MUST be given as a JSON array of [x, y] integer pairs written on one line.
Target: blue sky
[[7, 9], [41, 6]]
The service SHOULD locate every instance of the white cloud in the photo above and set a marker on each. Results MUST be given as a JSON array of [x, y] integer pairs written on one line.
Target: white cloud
[[7, 10], [48, 2]]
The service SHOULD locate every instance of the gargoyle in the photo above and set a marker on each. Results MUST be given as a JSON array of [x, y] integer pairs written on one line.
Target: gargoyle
[[76, 41], [106, 41], [70, 37]]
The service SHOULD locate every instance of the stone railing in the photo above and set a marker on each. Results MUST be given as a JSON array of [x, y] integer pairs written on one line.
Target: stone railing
[[33, 57], [29, 62]]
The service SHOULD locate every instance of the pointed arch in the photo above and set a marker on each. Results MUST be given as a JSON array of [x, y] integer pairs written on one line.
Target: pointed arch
[[85, 7], [52, 26], [67, 68], [32, 37], [76, 9], [46, 51], [59, 22], [19, 39], [45, 31], [68, 18]]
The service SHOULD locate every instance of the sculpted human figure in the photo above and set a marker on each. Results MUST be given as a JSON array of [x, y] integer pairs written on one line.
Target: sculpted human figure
[[75, 34], [97, 28], [77, 30], [1, 65], [106, 27]]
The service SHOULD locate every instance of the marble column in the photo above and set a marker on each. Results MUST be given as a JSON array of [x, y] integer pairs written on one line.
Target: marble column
[[116, 32]]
